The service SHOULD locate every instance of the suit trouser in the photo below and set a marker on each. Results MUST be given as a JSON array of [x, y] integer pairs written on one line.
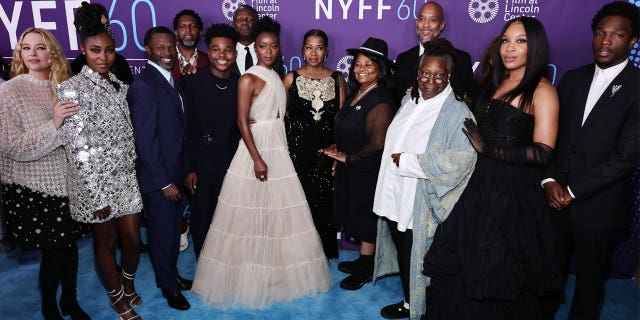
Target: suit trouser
[[592, 248], [403, 242], [203, 204], [164, 225]]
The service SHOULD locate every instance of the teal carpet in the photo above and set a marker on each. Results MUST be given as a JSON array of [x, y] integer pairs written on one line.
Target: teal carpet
[[20, 298]]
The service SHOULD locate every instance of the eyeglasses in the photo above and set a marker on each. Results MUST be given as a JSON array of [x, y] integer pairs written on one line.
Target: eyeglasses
[[439, 78]]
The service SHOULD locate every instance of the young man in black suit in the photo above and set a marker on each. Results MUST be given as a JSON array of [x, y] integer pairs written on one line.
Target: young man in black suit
[[429, 24], [597, 151], [212, 129]]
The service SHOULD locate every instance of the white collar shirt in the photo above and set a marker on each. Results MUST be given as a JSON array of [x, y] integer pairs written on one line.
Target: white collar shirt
[[242, 53], [407, 134], [601, 80]]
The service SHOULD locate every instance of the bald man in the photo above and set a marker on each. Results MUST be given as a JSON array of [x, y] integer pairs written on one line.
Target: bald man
[[429, 25]]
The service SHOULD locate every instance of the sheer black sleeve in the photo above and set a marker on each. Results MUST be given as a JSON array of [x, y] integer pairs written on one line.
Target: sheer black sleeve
[[536, 154], [378, 120]]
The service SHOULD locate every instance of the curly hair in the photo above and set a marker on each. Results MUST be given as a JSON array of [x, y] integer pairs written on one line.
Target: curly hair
[[268, 25], [221, 30], [88, 21], [57, 60], [619, 8]]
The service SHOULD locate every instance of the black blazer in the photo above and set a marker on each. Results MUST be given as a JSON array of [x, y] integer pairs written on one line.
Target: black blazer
[[406, 71], [597, 160]]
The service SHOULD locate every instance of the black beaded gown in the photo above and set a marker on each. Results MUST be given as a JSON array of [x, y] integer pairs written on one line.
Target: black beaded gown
[[494, 256], [312, 107], [360, 131]]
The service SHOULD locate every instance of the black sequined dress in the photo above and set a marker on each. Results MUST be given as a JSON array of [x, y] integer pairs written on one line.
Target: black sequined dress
[[312, 106]]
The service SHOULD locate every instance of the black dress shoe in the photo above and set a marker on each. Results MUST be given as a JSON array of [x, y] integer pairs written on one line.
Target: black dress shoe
[[184, 284], [347, 266], [175, 299], [355, 281], [70, 307], [395, 311]]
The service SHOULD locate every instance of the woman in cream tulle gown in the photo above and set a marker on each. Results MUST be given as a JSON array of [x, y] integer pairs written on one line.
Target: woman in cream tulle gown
[[262, 245]]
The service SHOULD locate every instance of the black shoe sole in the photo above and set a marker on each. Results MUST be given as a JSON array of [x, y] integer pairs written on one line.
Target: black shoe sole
[[356, 286]]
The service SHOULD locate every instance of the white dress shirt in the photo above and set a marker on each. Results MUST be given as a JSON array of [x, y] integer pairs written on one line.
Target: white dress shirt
[[408, 134], [242, 53], [167, 75], [601, 80]]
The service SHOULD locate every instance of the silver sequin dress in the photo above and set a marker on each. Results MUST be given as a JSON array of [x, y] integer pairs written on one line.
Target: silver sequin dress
[[100, 148]]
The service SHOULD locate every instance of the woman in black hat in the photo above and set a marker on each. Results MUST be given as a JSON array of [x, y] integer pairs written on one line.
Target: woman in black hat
[[360, 129]]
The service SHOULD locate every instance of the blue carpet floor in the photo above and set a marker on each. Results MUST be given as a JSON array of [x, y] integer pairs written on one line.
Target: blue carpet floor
[[20, 297]]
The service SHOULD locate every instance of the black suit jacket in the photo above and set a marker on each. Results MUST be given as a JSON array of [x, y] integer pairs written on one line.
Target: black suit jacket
[[596, 160], [406, 70]]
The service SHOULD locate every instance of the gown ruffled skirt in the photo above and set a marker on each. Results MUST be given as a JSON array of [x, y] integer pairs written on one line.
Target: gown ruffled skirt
[[262, 245]]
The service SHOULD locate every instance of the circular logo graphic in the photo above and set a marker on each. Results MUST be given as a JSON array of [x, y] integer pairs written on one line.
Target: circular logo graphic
[[343, 66], [483, 11], [229, 7]]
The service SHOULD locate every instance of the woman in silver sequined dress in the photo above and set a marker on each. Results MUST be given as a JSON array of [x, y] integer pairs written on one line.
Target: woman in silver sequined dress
[[33, 165], [314, 96], [102, 155]]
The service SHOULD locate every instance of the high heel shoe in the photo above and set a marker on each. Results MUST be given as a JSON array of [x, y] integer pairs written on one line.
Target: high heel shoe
[[130, 291], [70, 307], [121, 306]]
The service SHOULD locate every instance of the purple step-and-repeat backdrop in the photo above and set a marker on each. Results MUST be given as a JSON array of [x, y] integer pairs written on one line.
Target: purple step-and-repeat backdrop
[[471, 24]]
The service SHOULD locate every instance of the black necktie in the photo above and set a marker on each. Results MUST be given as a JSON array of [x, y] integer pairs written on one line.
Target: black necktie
[[248, 61]]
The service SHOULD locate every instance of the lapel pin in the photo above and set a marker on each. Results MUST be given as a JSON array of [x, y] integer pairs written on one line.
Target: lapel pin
[[615, 88], [358, 108]]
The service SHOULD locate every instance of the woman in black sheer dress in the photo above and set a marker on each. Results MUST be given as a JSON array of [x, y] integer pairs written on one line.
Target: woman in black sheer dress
[[314, 96], [494, 256], [360, 129]]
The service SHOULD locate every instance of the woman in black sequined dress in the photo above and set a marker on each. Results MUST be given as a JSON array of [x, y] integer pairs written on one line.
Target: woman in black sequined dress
[[314, 96], [494, 257]]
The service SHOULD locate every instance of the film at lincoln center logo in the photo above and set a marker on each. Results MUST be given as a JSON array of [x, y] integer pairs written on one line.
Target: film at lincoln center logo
[[482, 11], [230, 6]]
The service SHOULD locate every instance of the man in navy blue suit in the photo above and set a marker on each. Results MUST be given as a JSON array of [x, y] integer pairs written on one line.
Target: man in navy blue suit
[[158, 113]]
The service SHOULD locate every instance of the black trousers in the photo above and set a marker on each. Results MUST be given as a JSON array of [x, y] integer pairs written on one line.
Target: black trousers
[[203, 204], [403, 242], [592, 248]]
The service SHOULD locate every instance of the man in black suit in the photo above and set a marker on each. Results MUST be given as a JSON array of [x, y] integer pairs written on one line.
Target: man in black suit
[[244, 19], [597, 151], [429, 24], [212, 129], [158, 116]]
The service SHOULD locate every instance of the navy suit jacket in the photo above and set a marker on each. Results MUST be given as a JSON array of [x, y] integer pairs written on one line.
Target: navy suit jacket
[[159, 129], [597, 159]]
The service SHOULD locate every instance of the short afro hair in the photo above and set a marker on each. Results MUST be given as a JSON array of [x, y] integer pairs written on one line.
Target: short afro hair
[[221, 30], [619, 8], [187, 12]]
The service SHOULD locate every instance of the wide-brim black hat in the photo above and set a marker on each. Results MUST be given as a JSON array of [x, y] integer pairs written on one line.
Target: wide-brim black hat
[[373, 46]]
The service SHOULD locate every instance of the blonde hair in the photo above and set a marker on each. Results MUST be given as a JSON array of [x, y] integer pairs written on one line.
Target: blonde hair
[[57, 60]]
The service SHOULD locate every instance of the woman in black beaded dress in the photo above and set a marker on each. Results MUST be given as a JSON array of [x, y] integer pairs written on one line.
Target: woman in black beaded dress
[[494, 257], [314, 96]]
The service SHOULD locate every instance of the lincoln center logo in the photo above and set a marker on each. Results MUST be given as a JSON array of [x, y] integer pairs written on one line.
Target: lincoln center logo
[[229, 7], [483, 11]]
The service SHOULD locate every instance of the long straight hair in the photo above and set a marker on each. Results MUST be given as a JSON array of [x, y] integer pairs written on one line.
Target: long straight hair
[[535, 67]]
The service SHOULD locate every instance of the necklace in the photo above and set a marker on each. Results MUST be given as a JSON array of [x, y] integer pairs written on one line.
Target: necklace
[[362, 93], [222, 88]]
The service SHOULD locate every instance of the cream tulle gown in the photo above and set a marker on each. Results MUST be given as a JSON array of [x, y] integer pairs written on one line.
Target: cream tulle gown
[[262, 245]]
